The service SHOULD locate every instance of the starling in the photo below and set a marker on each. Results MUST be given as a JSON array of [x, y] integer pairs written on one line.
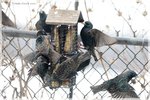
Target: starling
[[31, 57], [118, 87], [92, 38], [64, 69], [41, 24], [45, 47], [41, 67], [42, 44], [69, 67]]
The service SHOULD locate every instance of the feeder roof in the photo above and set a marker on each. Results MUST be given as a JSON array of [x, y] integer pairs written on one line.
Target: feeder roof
[[64, 17]]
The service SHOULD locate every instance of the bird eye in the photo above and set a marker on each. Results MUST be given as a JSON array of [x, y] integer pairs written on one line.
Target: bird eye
[[39, 39]]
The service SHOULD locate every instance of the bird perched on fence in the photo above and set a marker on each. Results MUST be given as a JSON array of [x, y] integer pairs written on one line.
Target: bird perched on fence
[[118, 87], [92, 38]]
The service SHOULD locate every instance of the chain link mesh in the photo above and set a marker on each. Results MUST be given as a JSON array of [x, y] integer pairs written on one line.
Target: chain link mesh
[[115, 60]]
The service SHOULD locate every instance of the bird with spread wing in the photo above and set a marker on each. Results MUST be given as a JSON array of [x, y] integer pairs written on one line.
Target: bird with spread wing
[[92, 38], [118, 87]]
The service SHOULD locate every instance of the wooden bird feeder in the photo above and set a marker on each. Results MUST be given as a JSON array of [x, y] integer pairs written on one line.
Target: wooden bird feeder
[[65, 31], [64, 36]]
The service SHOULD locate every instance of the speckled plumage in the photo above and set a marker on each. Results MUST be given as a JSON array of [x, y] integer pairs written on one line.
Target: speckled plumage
[[69, 67], [42, 66], [118, 87]]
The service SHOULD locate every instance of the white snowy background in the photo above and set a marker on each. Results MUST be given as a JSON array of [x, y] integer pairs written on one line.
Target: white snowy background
[[109, 16]]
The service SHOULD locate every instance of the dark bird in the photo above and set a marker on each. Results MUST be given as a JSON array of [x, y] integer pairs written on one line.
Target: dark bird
[[45, 56], [45, 47], [31, 57], [92, 38], [41, 24], [41, 67], [59, 62], [43, 41], [69, 67], [118, 87]]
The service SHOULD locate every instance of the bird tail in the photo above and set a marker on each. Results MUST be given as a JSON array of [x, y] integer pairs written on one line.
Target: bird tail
[[99, 88], [95, 89]]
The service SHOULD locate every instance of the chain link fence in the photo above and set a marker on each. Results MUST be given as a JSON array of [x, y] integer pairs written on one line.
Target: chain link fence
[[115, 59]]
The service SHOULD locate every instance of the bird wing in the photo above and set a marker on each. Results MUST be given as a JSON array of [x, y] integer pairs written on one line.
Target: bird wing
[[100, 38], [30, 58], [125, 91], [64, 69]]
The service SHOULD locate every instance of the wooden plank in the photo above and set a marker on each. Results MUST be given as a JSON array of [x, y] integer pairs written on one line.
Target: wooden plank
[[63, 17]]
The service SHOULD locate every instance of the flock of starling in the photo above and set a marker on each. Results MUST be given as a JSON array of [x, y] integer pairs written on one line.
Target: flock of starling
[[53, 66]]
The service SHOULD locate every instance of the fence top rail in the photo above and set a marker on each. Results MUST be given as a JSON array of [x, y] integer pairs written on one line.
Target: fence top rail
[[13, 32]]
